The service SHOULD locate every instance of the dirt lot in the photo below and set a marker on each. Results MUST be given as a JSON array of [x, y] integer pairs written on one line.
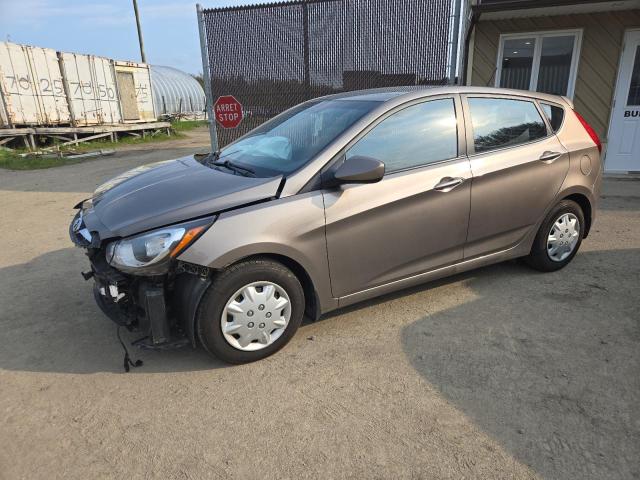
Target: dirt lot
[[498, 373]]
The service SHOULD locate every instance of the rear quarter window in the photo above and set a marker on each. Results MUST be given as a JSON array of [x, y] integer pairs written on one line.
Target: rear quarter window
[[502, 122], [554, 114]]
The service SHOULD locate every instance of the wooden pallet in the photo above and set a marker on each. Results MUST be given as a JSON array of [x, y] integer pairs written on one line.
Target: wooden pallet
[[75, 135]]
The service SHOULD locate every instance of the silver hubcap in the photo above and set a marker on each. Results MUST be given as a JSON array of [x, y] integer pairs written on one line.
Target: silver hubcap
[[563, 237], [256, 316]]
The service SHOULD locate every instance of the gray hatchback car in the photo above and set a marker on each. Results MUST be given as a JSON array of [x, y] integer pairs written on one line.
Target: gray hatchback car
[[338, 200]]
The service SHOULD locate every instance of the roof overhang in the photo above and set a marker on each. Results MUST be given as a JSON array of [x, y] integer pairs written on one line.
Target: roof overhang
[[497, 9]]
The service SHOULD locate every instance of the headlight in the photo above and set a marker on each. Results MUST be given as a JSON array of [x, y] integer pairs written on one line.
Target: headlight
[[150, 253]]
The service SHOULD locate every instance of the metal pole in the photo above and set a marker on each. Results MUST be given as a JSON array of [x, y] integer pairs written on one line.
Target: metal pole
[[135, 9], [454, 41], [207, 81], [305, 53]]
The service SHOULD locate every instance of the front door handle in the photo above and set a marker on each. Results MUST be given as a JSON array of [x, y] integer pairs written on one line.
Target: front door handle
[[549, 157], [447, 184]]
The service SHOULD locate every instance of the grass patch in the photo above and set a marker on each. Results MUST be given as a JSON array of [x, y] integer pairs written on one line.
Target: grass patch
[[12, 160], [187, 125], [100, 144]]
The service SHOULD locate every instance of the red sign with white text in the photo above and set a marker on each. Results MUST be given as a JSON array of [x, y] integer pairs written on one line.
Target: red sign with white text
[[228, 111]]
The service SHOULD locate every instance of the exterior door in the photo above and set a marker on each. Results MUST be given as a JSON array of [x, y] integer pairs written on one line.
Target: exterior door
[[127, 89], [518, 167], [416, 218], [623, 147]]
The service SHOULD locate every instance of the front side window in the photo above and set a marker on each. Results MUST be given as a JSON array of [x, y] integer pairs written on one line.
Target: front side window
[[502, 122], [415, 136], [540, 62]]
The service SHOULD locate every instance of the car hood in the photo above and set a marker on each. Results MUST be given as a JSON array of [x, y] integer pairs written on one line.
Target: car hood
[[169, 192]]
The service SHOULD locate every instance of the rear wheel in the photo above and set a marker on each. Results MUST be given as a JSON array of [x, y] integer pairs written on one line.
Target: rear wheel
[[558, 238], [251, 310]]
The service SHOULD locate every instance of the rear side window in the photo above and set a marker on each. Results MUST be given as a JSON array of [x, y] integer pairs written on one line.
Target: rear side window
[[501, 122], [414, 136], [554, 114]]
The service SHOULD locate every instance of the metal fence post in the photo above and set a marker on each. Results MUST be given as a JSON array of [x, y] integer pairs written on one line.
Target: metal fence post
[[305, 30], [207, 80], [455, 33]]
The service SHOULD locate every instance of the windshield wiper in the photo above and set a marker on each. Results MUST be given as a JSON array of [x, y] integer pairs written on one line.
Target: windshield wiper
[[214, 159], [246, 171]]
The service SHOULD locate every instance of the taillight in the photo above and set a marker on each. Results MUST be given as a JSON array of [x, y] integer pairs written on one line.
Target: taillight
[[592, 133]]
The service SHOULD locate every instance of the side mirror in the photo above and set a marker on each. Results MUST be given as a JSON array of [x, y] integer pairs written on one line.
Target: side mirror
[[358, 169]]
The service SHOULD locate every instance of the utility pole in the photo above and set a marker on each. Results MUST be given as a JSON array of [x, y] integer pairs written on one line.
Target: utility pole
[[135, 9]]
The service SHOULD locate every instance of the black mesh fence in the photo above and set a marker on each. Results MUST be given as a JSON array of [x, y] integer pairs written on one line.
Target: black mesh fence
[[273, 56]]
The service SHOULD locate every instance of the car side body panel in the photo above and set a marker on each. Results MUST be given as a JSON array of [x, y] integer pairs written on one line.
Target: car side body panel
[[293, 227], [514, 190], [396, 228], [586, 168]]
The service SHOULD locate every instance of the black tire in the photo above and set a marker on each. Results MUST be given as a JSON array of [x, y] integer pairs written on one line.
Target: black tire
[[539, 258], [224, 286]]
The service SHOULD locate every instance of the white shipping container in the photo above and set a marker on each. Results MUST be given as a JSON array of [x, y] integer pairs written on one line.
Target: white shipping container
[[32, 86], [91, 87], [134, 88], [3, 113]]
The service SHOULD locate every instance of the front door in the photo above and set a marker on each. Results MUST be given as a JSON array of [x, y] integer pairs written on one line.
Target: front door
[[623, 147], [415, 219]]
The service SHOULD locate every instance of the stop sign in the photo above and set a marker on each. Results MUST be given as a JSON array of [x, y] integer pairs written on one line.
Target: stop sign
[[228, 111]]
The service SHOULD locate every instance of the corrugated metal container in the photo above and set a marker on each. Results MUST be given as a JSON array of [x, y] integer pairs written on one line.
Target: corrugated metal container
[[134, 87], [32, 86], [175, 91], [91, 87], [4, 121]]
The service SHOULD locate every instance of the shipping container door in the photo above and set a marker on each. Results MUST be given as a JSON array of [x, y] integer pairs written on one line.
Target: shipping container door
[[105, 85], [144, 99], [17, 85], [49, 86], [81, 96], [127, 89]]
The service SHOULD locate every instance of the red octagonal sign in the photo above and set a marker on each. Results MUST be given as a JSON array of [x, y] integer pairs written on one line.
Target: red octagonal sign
[[228, 111]]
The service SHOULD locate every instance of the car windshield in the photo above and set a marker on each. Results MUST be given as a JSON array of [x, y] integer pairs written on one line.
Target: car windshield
[[293, 138]]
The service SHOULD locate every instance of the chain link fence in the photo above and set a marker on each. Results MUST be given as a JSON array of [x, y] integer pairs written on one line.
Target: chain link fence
[[271, 57]]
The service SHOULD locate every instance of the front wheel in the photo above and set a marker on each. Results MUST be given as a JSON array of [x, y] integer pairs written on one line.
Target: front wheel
[[250, 311], [558, 238]]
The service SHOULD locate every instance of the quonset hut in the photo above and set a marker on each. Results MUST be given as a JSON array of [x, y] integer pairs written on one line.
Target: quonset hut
[[176, 92]]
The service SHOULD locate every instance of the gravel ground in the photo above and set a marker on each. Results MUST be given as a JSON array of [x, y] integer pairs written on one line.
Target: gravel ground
[[498, 373]]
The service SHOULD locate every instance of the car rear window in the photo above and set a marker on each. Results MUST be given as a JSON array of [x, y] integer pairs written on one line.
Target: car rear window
[[555, 115], [502, 122]]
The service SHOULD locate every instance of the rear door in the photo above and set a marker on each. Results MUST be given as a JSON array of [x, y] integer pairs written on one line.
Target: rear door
[[518, 167], [415, 219]]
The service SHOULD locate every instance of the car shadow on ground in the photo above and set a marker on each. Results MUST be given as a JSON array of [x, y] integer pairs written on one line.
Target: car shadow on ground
[[547, 364]]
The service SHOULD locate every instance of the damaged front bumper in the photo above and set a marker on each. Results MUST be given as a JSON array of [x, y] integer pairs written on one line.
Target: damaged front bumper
[[161, 307]]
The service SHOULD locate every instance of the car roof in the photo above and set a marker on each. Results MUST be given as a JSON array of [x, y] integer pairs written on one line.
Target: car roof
[[413, 92]]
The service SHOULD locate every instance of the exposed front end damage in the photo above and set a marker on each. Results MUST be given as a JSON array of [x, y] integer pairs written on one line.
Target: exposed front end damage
[[153, 305]]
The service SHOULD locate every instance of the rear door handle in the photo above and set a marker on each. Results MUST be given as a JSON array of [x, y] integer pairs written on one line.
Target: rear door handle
[[549, 157], [447, 184]]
